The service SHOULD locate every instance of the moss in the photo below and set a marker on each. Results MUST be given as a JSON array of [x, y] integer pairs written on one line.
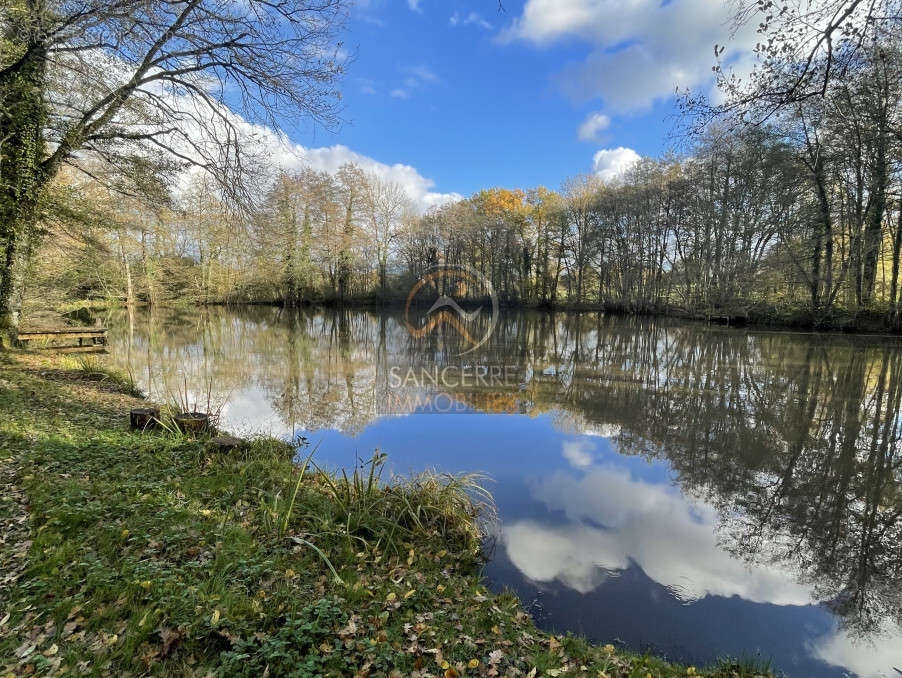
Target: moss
[[148, 554]]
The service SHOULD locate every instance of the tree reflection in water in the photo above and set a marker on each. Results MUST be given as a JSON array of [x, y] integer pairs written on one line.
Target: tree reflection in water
[[793, 438]]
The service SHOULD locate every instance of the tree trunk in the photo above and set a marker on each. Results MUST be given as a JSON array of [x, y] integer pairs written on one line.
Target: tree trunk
[[816, 268], [897, 247], [823, 200], [344, 257], [127, 269], [21, 178], [874, 221]]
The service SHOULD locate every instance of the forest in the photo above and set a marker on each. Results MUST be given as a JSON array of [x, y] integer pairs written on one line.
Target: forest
[[783, 204]]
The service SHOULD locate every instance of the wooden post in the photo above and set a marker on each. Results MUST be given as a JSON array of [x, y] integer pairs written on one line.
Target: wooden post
[[192, 422], [144, 418], [225, 444]]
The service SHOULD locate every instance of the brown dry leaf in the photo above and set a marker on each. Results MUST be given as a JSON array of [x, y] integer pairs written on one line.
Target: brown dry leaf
[[25, 649], [149, 654], [439, 658], [171, 638], [350, 629]]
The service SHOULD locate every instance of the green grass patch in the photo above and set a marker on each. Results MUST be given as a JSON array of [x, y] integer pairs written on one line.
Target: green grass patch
[[149, 554]]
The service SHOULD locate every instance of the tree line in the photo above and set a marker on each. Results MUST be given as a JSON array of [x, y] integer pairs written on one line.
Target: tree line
[[784, 201], [800, 215]]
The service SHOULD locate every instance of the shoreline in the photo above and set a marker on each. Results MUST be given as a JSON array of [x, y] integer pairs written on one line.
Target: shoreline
[[148, 553], [865, 322]]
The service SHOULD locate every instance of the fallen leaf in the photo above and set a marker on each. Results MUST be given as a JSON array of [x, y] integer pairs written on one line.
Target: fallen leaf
[[24, 650], [170, 638]]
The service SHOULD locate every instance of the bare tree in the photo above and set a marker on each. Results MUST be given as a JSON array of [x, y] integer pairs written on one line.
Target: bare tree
[[350, 183], [804, 47], [130, 80], [386, 206]]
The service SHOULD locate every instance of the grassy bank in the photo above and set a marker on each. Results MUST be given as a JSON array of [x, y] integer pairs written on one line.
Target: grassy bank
[[148, 554]]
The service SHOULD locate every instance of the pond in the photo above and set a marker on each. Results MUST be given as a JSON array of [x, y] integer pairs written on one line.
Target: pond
[[693, 491]]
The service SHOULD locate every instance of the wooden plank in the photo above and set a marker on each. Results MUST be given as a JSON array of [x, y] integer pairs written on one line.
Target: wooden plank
[[64, 330], [74, 333]]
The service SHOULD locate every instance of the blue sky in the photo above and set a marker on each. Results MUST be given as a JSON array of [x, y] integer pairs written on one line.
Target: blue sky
[[463, 96]]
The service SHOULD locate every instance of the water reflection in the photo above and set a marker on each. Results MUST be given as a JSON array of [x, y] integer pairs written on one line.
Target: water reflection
[[695, 491]]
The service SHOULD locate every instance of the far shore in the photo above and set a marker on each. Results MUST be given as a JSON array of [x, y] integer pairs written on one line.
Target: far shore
[[836, 320]]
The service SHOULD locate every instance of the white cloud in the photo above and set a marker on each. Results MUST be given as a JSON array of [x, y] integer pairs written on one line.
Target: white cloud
[[280, 153], [641, 50], [578, 453], [672, 540], [592, 125], [416, 77], [368, 87], [867, 658], [601, 430], [610, 164], [578, 556], [473, 18], [415, 5], [330, 158], [422, 73]]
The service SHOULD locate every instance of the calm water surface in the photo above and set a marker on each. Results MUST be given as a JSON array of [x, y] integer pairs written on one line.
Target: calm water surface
[[691, 491]]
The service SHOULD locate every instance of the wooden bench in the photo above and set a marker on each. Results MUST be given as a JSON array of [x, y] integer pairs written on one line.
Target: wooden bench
[[86, 336]]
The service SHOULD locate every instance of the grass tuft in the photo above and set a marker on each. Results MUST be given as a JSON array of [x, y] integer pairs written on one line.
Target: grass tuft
[[92, 368]]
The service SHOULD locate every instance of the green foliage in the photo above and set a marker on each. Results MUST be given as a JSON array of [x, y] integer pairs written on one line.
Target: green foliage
[[91, 368], [294, 650]]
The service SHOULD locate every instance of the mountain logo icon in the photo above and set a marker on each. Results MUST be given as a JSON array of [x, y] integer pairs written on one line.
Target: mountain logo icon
[[456, 287]]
